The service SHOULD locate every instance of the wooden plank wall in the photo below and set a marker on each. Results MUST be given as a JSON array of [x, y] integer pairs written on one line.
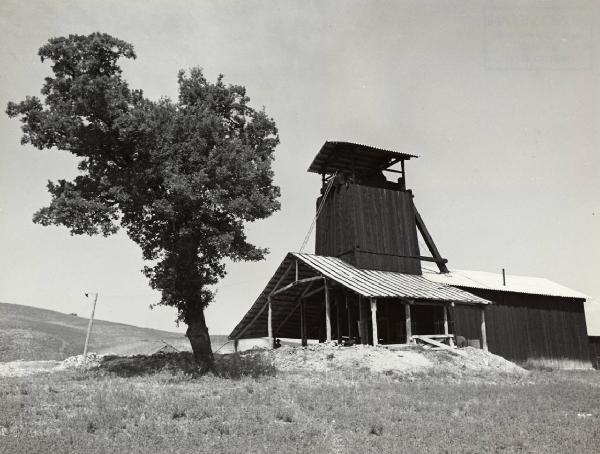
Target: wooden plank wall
[[334, 232], [369, 227], [595, 351], [524, 327]]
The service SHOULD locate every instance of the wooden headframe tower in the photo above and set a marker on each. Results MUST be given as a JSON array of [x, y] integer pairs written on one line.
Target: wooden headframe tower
[[363, 217]]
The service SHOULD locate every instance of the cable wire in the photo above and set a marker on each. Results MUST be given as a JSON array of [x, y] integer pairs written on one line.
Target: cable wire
[[312, 225]]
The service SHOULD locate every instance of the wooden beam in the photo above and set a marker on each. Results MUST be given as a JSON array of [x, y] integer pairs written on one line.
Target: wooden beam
[[433, 336], [294, 284], [349, 318], [299, 299], [403, 183], [258, 314], [270, 322], [408, 325], [421, 258], [483, 330], [327, 313], [429, 340], [388, 322], [338, 323], [264, 306], [445, 320], [283, 276], [374, 320], [302, 323], [446, 331], [312, 292], [362, 333], [427, 303], [430, 243]]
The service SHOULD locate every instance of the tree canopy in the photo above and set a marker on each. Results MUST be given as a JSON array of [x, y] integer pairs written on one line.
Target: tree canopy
[[181, 177]]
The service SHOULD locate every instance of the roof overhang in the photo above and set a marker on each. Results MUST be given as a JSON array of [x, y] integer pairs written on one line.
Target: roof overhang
[[304, 275], [355, 158], [510, 283]]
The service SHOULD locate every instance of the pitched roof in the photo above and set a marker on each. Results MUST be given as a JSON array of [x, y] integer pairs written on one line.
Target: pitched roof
[[493, 281], [386, 284], [340, 156], [367, 283]]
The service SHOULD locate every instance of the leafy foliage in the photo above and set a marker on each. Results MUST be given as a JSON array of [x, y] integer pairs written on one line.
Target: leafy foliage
[[180, 177]]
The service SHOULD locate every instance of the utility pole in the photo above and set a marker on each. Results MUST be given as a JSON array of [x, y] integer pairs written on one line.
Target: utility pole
[[89, 328]]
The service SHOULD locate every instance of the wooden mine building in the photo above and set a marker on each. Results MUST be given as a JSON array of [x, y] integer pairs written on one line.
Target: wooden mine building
[[369, 282]]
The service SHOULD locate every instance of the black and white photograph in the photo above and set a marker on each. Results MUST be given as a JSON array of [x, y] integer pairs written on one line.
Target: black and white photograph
[[334, 226]]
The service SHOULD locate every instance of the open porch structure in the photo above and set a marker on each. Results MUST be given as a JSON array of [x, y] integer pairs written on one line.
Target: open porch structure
[[325, 298]]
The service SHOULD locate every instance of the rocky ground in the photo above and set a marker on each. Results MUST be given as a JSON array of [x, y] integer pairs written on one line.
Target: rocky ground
[[405, 362], [402, 362]]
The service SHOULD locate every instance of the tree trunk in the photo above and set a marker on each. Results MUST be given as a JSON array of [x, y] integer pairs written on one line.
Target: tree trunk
[[197, 333]]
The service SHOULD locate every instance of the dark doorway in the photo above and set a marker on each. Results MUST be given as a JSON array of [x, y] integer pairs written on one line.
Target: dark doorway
[[427, 319]]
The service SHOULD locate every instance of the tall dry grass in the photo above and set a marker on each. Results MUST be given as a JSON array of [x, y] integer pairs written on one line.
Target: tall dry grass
[[171, 411]]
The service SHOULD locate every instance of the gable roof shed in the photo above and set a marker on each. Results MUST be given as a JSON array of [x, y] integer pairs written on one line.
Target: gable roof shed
[[301, 275]]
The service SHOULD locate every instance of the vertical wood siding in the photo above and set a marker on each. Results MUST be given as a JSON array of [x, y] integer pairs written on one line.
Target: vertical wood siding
[[595, 351], [371, 228], [524, 327]]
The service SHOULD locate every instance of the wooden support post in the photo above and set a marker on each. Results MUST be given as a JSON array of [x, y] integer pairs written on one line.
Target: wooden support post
[[388, 325], [338, 316], [349, 314], [270, 323], [483, 331], [361, 325], [236, 344], [89, 328], [327, 313], [440, 262], [374, 320], [262, 309], [303, 324], [445, 320], [446, 331], [408, 325]]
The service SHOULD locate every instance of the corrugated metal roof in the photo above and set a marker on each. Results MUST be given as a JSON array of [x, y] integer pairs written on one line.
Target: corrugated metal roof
[[386, 284], [367, 283], [340, 156], [493, 281]]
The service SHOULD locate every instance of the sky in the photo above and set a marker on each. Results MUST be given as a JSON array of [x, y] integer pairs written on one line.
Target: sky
[[499, 99]]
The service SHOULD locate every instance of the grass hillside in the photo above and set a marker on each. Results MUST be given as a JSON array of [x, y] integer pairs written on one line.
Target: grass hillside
[[120, 408], [30, 333]]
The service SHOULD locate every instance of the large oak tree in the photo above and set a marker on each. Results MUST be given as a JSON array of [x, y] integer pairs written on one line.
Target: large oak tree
[[182, 178]]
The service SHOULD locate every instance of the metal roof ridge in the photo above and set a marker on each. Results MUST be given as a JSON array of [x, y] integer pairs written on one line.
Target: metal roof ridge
[[364, 145], [519, 287]]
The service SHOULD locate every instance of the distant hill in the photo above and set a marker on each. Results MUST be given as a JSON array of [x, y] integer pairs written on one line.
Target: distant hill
[[30, 333]]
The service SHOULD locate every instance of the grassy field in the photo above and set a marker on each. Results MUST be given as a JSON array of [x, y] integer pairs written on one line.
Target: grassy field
[[31, 333], [97, 412]]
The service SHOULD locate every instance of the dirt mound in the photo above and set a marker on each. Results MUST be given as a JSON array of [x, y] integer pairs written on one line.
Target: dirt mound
[[80, 362], [128, 366], [321, 357], [251, 363], [405, 361], [473, 360]]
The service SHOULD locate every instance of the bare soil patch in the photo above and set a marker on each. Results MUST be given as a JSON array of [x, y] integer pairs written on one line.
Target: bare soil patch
[[403, 363]]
